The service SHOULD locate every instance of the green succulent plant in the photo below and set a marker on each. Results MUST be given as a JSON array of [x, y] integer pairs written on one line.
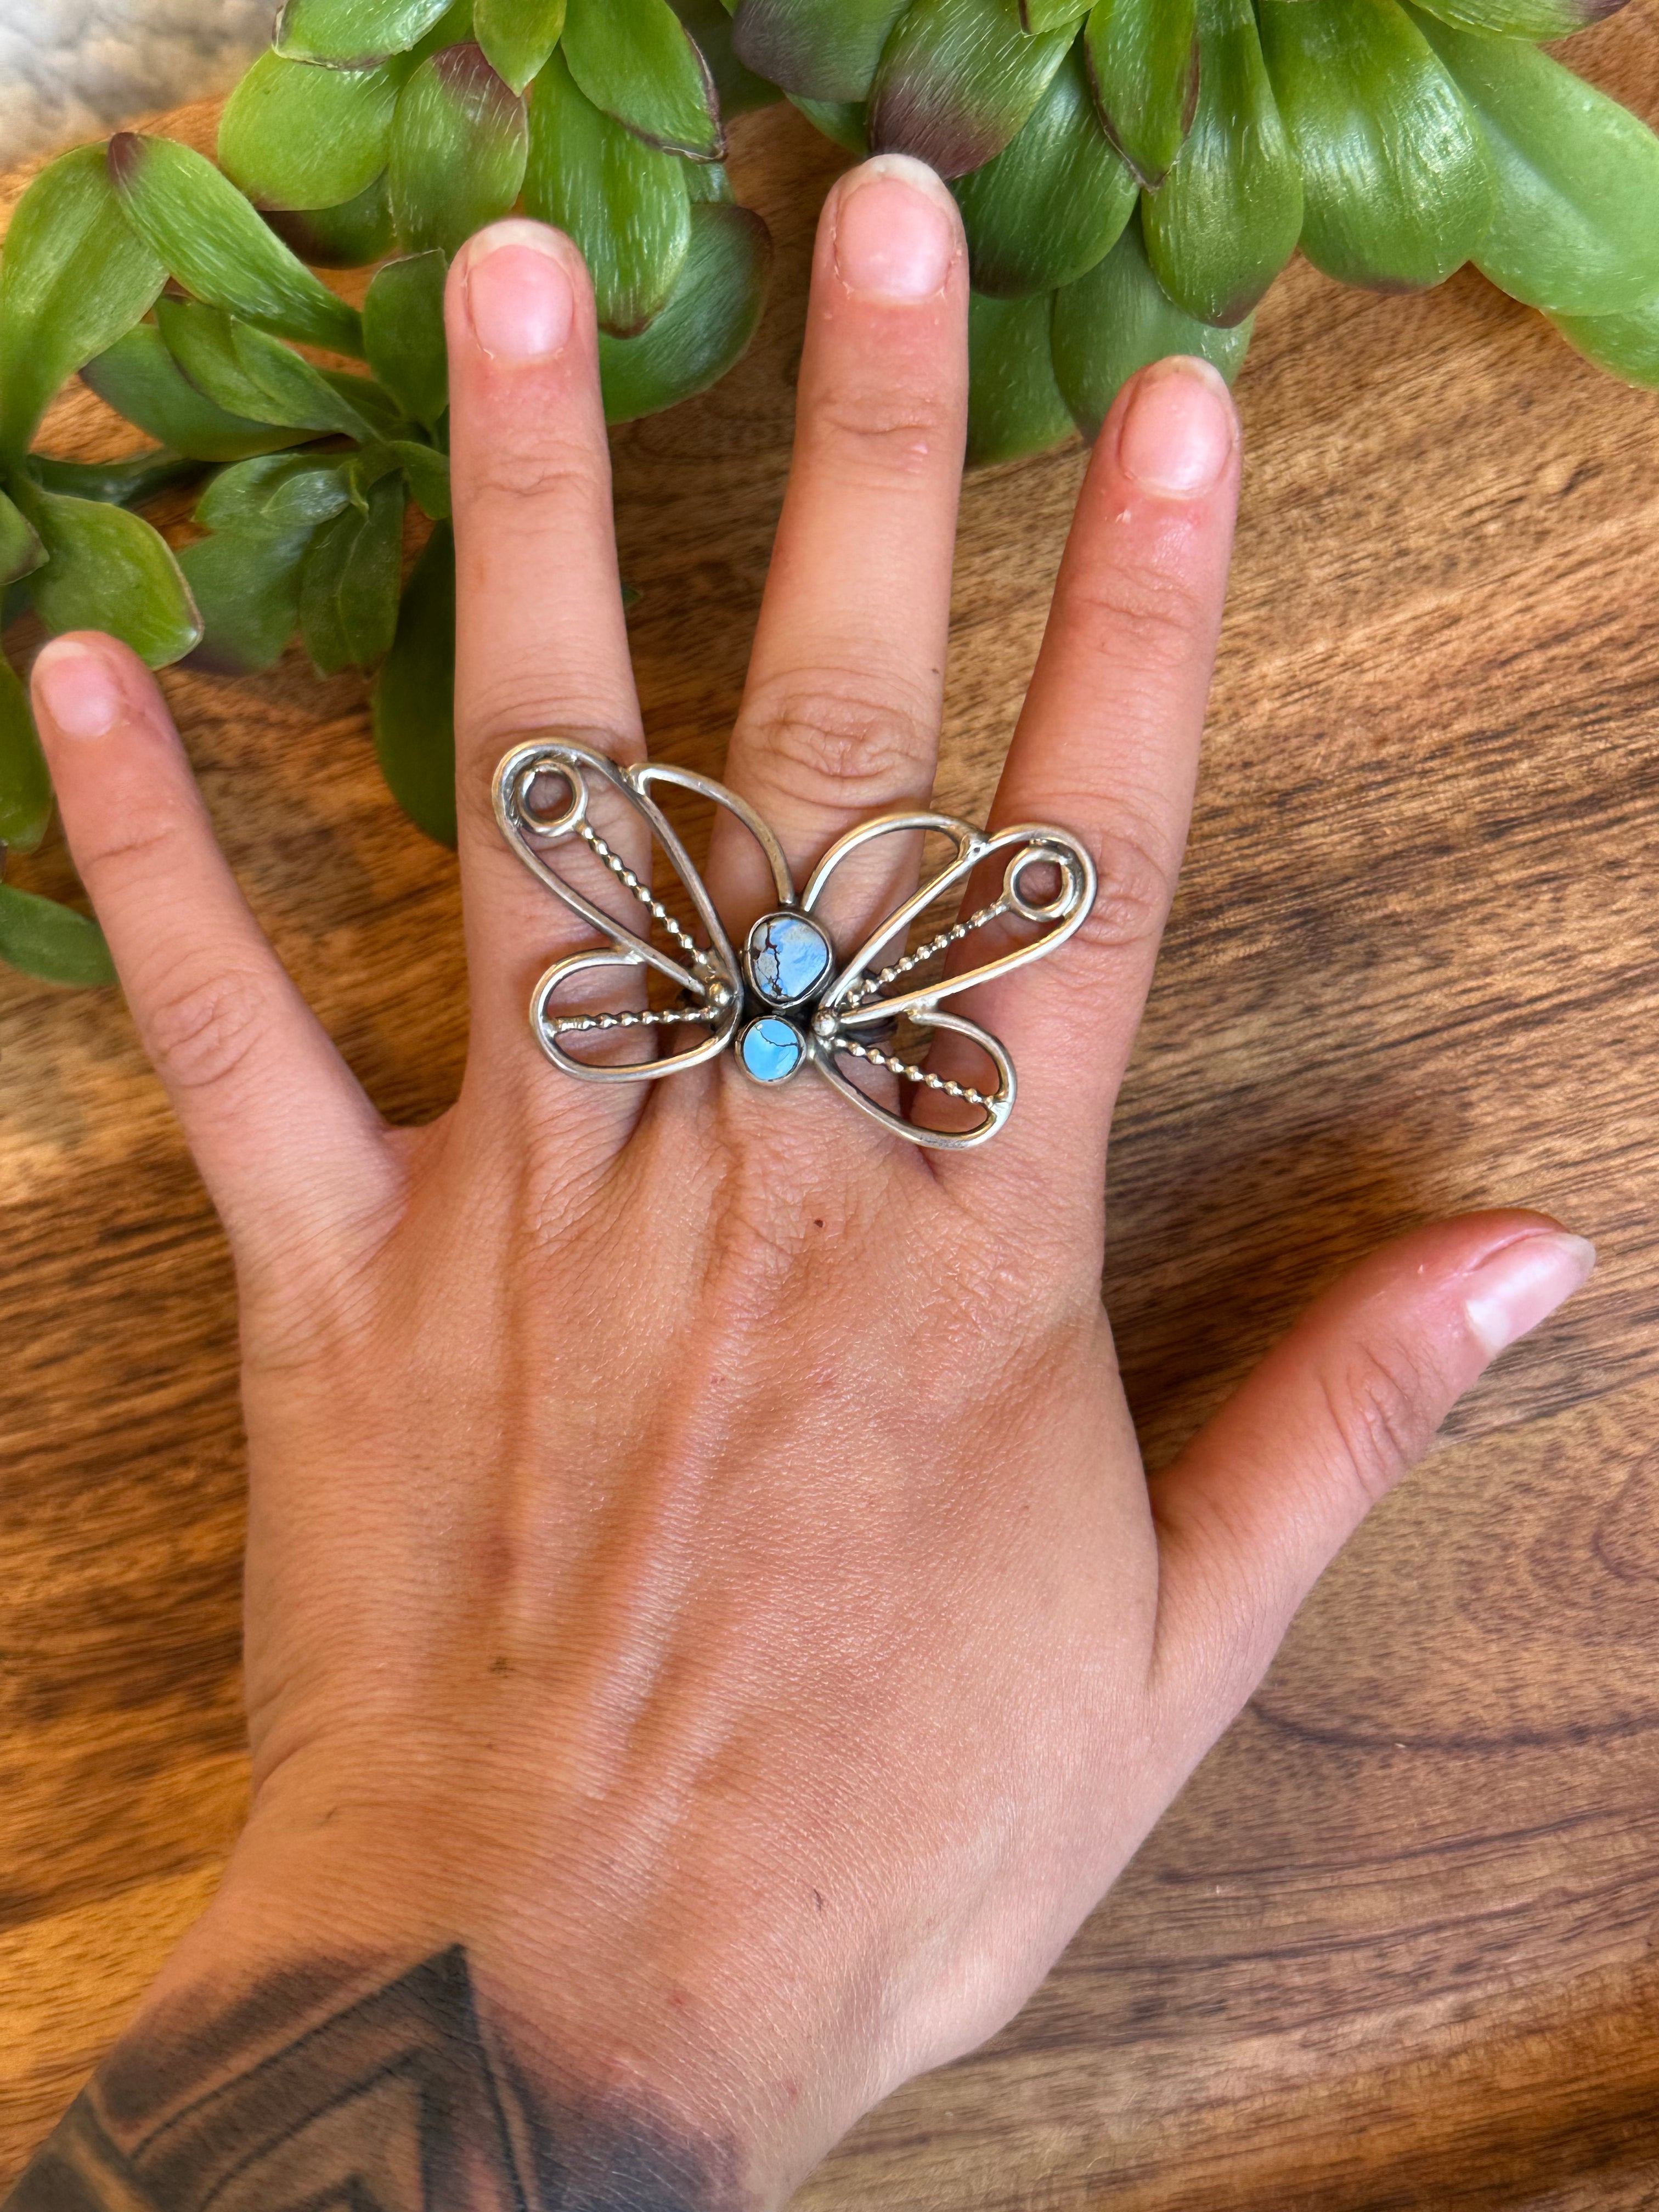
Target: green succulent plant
[[1132, 175], [373, 133]]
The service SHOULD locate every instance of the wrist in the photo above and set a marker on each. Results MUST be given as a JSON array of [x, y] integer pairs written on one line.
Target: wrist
[[322, 1977], [402, 2082]]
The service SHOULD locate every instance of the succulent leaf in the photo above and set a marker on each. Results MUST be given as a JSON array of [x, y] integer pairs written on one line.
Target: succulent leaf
[[350, 34], [368, 401], [213, 242], [1626, 346], [1118, 318], [1144, 60], [458, 146], [1577, 226], [403, 335], [117, 484], [635, 59], [349, 236], [254, 376], [707, 325], [21, 554], [1524, 18], [1228, 214], [140, 380], [1054, 201], [818, 50], [739, 90], [959, 78], [346, 238], [295, 137], [52, 943], [453, 29], [25, 782], [108, 570], [426, 471], [349, 584], [1398, 186], [276, 495], [74, 275], [518, 36], [843, 122], [414, 696], [625, 204], [246, 587], [368, 467], [708, 181], [1015, 404], [1052, 14]]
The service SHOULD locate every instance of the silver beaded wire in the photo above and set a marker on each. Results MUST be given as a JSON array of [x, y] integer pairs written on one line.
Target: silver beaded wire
[[861, 995], [872, 986], [670, 1016]]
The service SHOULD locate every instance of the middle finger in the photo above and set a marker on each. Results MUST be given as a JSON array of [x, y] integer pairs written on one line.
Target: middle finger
[[841, 713]]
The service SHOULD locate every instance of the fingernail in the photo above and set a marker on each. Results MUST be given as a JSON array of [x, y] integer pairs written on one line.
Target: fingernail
[[79, 690], [519, 291], [896, 231], [1178, 435], [1522, 1283]]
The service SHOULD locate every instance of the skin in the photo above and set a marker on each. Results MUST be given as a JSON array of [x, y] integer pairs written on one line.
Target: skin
[[699, 1561]]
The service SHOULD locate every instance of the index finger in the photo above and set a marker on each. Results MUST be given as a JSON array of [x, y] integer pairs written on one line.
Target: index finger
[[542, 641]]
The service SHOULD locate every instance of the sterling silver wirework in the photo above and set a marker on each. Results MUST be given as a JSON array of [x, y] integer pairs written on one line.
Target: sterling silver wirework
[[788, 1001]]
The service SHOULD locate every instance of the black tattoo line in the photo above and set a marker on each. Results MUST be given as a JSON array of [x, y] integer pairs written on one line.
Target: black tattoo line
[[398, 2100]]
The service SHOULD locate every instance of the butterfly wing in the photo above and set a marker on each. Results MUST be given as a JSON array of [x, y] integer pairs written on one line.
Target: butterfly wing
[[866, 996], [995, 1105], [707, 975]]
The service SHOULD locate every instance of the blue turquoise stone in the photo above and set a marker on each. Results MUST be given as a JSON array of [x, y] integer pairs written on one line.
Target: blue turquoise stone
[[789, 958], [771, 1050]]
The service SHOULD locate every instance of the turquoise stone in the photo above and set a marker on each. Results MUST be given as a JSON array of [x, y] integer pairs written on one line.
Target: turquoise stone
[[789, 958], [771, 1050]]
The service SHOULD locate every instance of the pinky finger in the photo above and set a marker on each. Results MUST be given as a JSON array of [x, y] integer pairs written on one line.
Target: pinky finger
[[287, 1143]]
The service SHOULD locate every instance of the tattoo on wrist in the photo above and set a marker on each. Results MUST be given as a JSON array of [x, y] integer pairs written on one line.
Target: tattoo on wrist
[[328, 2090]]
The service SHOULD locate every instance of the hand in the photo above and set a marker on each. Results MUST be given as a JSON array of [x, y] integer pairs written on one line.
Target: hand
[[701, 1567]]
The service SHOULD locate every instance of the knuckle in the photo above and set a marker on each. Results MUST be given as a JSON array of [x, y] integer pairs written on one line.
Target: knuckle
[[832, 738], [137, 847], [1137, 873], [516, 474], [1382, 1416], [1137, 884], [883, 436], [501, 716], [202, 1029], [1138, 613]]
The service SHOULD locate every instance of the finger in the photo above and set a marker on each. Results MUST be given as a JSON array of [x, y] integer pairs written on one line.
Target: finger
[[1108, 745], [841, 716], [289, 1147], [1260, 1503], [541, 642]]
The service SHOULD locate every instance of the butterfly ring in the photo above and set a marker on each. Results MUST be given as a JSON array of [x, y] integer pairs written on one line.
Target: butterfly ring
[[789, 1001]]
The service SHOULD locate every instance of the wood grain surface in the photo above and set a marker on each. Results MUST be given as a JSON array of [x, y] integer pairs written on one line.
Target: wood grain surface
[[1395, 1947]]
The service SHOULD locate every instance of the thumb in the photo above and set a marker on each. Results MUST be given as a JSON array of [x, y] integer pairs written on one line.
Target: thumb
[[1260, 1502]]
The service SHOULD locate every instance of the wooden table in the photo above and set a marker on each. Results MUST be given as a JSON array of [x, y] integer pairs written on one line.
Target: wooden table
[[1395, 1945]]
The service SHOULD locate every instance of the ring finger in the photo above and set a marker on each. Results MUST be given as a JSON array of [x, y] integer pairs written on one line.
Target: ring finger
[[1107, 748]]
